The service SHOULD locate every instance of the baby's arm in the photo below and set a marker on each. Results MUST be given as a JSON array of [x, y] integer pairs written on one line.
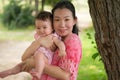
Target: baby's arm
[[30, 50], [60, 45], [43, 41]]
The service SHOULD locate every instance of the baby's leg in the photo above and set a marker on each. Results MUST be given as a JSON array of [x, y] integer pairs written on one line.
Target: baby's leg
[[11, 71], [40, 61]]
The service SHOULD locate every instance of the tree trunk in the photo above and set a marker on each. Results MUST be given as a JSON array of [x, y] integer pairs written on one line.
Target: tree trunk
[[43, 3], [105, 16], [36, 6]]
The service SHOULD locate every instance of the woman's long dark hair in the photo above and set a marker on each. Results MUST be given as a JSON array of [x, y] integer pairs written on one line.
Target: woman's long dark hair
[[67, 4]]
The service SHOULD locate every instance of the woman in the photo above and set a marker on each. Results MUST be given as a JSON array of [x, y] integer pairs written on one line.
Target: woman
[[64, 22]]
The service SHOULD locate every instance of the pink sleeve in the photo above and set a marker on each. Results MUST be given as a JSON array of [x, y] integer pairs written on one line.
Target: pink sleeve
[[74, 52]]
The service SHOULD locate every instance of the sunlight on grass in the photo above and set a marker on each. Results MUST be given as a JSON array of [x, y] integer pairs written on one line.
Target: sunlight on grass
[[90, 69], [11, 35], [18, 34]]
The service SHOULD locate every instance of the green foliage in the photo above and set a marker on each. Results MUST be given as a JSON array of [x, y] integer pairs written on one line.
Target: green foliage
[[95, 55], [91, 37], [10, 12], [15, 16], [25, 18], [53, 2]]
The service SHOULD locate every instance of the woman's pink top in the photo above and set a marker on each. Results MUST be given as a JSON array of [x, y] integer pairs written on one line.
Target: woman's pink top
[[71, 61]]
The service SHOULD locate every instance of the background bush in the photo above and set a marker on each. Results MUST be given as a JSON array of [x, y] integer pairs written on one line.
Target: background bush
[[17, 16]]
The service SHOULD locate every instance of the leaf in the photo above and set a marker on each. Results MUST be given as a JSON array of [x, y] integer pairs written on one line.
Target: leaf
[[95, 55]]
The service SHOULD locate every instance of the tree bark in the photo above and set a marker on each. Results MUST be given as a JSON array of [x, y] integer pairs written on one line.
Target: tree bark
[[43, 3], [36, 6], [105, 16]]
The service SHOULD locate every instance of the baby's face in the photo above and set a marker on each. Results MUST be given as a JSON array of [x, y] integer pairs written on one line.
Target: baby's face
[[43, 28]]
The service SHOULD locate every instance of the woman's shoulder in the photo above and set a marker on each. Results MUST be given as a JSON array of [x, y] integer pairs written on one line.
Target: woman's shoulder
[[72, 37]]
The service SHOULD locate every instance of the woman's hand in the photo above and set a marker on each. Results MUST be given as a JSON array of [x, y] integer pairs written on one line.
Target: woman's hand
[[28, 64]]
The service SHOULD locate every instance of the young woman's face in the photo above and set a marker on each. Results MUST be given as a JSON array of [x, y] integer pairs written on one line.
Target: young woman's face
[[43, 28], [63, 22]]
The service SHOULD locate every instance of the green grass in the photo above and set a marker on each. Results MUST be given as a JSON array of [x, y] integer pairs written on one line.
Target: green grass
[[17, 34], [89, 69]]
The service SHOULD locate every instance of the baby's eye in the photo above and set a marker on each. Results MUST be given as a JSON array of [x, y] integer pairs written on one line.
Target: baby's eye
[[44, 27], [38, 28]]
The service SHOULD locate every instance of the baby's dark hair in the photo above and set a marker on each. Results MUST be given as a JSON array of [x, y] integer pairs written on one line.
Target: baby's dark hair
[[44, 15]]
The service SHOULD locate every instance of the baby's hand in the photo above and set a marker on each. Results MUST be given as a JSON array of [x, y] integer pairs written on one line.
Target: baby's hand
[[62, 53]]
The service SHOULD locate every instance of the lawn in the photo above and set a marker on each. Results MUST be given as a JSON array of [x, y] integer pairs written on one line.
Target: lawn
[[89, 69], [17, 34]]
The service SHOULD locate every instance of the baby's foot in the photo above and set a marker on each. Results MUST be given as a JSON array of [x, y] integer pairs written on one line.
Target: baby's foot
[[3, 74], [35, 74], [34, 78]]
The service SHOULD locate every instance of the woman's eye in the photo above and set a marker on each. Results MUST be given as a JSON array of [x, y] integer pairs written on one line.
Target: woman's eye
[[38, 28], [66, 19], [56, 19]]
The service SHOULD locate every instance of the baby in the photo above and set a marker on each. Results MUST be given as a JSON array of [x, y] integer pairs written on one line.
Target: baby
[[42, 56]]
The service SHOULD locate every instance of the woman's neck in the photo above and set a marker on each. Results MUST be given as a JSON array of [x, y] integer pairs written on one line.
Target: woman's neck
[[65, 37]]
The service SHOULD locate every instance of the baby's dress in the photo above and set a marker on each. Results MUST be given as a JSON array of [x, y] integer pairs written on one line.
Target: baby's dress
[[47, 52]]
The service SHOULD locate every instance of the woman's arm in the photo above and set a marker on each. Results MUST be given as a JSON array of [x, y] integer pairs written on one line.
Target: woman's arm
[[53, 71], [56, 72]]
